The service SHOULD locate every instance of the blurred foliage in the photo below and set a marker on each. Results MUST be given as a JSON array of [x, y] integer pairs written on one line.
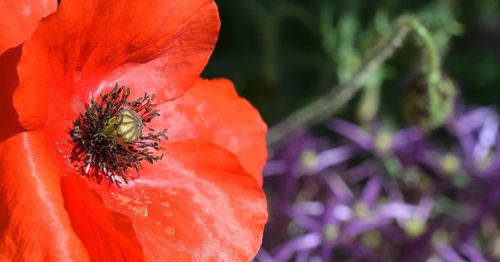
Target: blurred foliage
[[284, 54]]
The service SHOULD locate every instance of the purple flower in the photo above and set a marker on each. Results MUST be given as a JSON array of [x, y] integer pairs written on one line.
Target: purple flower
[[374, 193]]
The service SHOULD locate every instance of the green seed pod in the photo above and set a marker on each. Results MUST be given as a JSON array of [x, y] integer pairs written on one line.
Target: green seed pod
[[126, 127], [427, 106]]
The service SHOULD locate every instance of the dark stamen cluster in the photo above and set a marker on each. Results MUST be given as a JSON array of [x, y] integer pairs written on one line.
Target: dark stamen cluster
[[99, 156]]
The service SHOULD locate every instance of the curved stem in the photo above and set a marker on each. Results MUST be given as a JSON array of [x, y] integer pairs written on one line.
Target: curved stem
[[439, 90], [328, 104], [433, 69]]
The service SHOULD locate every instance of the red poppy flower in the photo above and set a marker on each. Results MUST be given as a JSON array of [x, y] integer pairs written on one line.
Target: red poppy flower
[[201, 202]]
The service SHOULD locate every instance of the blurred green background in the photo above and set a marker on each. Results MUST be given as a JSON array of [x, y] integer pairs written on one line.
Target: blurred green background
[[281, 55]]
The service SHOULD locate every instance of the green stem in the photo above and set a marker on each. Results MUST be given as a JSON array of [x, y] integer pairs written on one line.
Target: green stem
[[434, 65], [429, 45], [325, 106], [328, 104]]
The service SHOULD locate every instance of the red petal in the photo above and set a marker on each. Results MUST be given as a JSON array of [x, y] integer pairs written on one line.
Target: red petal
[[212, 111], [159, 46], [107, 235], [19, 18], [34, 226], [197, 204]]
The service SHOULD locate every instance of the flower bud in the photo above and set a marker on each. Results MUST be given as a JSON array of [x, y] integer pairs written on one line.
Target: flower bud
[[427, 105]]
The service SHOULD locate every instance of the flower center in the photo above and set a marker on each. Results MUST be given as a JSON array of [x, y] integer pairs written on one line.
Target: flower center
[[126, 127], [109, 139]]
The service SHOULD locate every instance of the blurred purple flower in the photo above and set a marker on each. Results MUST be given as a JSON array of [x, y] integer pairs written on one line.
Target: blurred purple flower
[[373, 194]]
